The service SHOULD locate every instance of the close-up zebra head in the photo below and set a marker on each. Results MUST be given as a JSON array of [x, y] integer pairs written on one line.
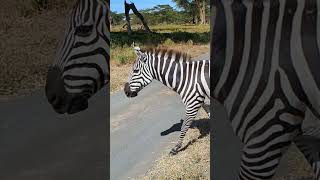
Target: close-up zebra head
[[140, 75], [81, 66]]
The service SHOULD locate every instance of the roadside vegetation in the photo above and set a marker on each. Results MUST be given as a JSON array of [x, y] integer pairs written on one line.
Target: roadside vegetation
[[193, 41]]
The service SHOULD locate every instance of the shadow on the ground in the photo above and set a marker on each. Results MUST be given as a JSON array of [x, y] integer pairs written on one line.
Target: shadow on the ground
[[122, 38], [201, 124]]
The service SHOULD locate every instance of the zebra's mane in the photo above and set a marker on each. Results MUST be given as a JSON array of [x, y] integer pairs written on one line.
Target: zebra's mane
[[169, 52]]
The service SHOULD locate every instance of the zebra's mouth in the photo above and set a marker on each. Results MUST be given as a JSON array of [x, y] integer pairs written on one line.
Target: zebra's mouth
[[131, 94], [128, 92], [77, 105], [74, 106]]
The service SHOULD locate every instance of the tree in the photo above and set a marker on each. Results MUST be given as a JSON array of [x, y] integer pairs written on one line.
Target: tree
[[116, 18], [159, 14], [162, 14], [131, 6], [197, 8]]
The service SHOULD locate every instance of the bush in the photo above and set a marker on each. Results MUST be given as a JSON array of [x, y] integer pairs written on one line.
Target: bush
[[122, 38], [122, 59], [168, 42], [190, 42], [123, 54]]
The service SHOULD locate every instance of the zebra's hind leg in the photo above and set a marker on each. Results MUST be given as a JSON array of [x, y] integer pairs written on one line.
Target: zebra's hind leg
[[310, 148], [191, 112]]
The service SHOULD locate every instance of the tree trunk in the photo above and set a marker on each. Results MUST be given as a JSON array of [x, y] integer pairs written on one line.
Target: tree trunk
[[137, 13], [203, 12], [201, 5], [127, 10]]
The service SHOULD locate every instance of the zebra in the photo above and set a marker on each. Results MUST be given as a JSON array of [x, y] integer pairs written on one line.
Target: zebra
[[82, 66], [265, 62], [190, 79]]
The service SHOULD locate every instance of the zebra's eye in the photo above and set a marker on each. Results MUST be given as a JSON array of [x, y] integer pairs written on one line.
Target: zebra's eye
[[135, 70], [84, 30]]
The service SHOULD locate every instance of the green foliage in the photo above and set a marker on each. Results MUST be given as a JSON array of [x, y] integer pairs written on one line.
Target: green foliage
[[122, 59], [172, 33], [122, 38], [198, 9], [164, 14], [160, 14], [168, 42], [189, 7], [123, 54], [190, 42], [117, 19]]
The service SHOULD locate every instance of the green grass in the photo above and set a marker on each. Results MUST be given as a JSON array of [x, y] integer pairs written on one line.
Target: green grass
[[122, 54], [167, 28]]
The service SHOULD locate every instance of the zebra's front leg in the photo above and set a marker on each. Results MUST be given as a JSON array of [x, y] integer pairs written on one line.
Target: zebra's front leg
[[260, 163], [206, 107], [309, 141], [191, 113], [184, 128], [310, 148]]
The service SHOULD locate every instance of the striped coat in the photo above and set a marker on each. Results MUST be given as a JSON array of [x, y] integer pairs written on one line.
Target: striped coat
[[265, 56]]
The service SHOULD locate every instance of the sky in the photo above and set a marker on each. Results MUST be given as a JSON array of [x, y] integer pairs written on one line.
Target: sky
[[118, 5]]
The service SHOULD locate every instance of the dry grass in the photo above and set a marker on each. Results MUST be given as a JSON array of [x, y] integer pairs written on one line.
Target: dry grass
[[191, 163], [28, 43], [296, 166]]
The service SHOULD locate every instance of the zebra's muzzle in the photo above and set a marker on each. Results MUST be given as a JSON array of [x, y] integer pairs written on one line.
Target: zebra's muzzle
[[77, 104], [69, 104], [61, 101], [128, 92]]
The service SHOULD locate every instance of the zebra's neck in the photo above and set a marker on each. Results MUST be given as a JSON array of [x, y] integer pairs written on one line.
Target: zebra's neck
[[169, 68]]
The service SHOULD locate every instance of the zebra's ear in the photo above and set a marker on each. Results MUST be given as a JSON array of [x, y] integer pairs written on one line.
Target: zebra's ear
[[142, 56], [137, 50]]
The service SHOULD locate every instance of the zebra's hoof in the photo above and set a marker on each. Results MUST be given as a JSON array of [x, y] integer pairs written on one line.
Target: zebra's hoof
[[173, 152]]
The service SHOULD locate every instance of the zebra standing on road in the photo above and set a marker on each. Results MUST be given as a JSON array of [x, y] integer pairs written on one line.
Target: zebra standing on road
[[190, 79], [265, 72], [82, 64]]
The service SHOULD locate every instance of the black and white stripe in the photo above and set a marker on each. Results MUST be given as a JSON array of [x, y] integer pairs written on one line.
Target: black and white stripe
[[190, 79], [82, 64], [265, 72]]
